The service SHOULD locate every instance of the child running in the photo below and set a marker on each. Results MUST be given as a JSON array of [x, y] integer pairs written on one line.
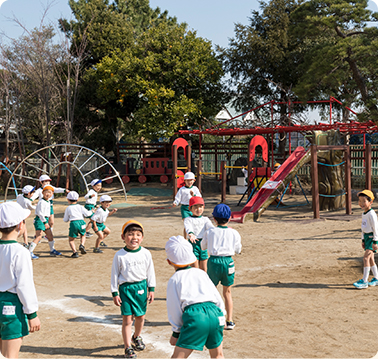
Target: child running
[[222, 242], [195, 307], [41, 222], [75, 214], [46, 180], [195, 226], [98, 220], [18, 298], [185, 193], [369, 236], [132, 285], [24, 200], [91, 200]]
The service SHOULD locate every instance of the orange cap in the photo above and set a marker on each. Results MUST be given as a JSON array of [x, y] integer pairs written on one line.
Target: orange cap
[[129, 223], [51, 188], [368, 193]]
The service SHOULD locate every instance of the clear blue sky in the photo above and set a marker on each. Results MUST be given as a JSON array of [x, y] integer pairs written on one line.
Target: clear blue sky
[[212, 19]]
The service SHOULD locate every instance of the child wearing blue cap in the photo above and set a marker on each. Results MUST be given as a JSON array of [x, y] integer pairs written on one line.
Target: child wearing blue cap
[[222, 243]]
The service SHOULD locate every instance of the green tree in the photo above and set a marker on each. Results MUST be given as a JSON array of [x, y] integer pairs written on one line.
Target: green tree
[[341, 58]]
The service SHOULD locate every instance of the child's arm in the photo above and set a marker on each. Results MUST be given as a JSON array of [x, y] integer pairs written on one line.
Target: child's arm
[[66, 217], [238, 245], [177, 200], [151, 279], [114, 282], [114, 210], [60, 190], [189, 229]]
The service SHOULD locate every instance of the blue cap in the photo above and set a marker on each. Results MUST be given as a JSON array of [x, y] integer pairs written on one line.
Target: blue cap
[[222, 211]]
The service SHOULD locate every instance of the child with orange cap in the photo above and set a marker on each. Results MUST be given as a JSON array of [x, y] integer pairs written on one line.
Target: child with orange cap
[[41, 222], [369, 236], [195, 307], [195, 226], [132, 285]]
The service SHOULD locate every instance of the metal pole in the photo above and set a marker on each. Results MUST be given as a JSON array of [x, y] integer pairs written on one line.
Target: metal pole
[[368, 166], [224, 181], [199, 176], [174, 160], [348, 181], [314, 180]]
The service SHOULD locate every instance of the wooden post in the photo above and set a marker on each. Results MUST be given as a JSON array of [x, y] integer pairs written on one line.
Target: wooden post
[[315, 181], [348, 182], [224, 181], [199, 176], [68, 159], [249, 168], [368, 166], [174, 162], [189, 158]]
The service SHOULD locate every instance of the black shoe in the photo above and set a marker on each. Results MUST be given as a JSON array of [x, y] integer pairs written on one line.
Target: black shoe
[[129, 353], [137, 343], [103, 244], [82, 249], [75, 255]]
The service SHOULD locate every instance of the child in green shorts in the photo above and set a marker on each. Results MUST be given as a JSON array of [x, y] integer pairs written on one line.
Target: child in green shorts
[[91, 200], [195, 307], [132, 285], [222, 243], [98, 222], [18, 298], [369, 236], [195, 226], [75, 214]]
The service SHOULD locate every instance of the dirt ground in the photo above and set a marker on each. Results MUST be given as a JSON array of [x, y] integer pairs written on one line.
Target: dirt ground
[[293, 293]]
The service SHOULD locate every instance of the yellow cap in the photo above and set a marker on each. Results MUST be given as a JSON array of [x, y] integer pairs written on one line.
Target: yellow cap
[[51, 188], [368, 193], [276, 164], [129, 223]]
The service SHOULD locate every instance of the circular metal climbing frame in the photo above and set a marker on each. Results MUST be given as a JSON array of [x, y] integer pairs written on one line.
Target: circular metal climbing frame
[[69, 166]]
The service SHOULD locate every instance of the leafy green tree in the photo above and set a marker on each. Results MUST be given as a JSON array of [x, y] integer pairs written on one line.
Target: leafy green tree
[[341, 58]]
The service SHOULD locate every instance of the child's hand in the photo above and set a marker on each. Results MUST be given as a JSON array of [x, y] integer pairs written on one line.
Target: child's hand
[[47, 226], [192, 238], [173, 341], [115, 210], [117, 300], [174, 205], [34, 325], [150, 297], [375, 247], [363, 245]]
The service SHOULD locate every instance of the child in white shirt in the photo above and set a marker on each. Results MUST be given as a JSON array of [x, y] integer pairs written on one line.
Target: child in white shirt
[[25, 201]]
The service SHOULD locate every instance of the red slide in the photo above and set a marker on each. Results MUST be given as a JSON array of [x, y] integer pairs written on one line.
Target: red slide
[[272, 188]]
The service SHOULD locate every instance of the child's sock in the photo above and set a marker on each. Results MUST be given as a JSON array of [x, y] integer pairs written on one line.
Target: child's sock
[[51, 245], [32, 246], [374, 270], [366, 274]]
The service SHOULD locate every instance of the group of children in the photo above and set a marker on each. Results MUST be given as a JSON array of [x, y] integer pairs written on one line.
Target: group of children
[[195, 308], [75, 214]]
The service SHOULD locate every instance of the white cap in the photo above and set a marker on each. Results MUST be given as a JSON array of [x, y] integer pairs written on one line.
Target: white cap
[[27, 189], [95, 181], [73, 196], [179, 251], [105, 198], [44, 178], [11, 214], [189, 176]]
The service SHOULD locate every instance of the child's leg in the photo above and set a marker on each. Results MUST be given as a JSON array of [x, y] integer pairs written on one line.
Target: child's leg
[[368, 258], [25, 235], [196, 264], [82, 239], [10, 348], [228, 302], [105, 233], [181, 352], [216, 352], [203, 265], [51, 222], [71, 241], [127, 321], [100, 237], [38, 237], [138, 325]]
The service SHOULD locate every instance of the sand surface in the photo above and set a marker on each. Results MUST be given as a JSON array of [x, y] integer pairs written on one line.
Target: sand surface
[[293, 293]]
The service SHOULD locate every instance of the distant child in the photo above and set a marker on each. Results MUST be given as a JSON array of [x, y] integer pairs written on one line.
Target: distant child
[[98, 220], [222, 243], [24, 200], [18, 298], [132, 285], [41, 222], [369, 236], [195, 307], [46, 180], [75, 214], [185, 193], [195, 226], [91, 200]]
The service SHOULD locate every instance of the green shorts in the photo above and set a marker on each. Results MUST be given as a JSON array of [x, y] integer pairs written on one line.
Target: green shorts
[[134, 298], [202, 326], [13, 321], [200, 254], [51, 208], [77, 228], [89, 207], [221, 269], [185, 211], [38, 225], [100, 227], [368, 240]]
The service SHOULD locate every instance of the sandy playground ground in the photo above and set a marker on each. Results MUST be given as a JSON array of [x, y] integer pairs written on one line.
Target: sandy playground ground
[[293, 293]]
